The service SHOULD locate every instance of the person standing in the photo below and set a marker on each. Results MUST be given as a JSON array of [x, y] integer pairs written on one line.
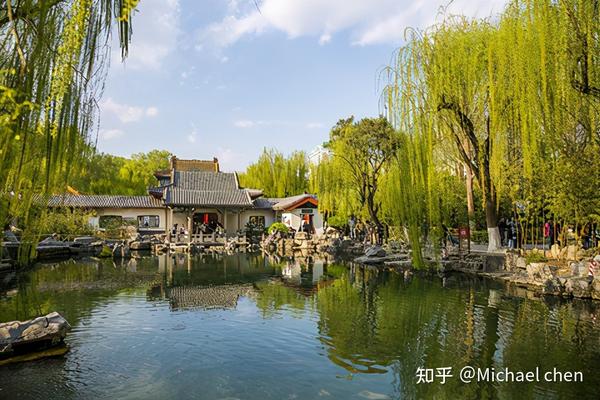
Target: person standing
[[352, 227], [512, 233], [502, 229], [546, 234], [358, 230]]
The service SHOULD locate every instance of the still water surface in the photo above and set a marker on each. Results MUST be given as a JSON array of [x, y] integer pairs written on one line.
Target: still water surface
[[245, 327]]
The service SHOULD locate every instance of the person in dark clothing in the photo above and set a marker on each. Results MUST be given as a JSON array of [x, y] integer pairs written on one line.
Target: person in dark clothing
[[502, 229], [512, 233]]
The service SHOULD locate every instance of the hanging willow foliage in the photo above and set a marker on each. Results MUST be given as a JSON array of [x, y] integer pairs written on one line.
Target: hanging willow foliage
[[277, 175], [52, 68], [515, 99]]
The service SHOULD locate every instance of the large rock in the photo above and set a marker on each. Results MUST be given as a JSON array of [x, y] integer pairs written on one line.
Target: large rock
[[578, 269], [18, 337], [301, 236], [577, 287], [539, 272], [595, 289], [572, 252], [555, 251], [375, 251], [521, 263]]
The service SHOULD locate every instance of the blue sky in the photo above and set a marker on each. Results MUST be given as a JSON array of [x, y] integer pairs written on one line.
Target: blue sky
[[224, 78]]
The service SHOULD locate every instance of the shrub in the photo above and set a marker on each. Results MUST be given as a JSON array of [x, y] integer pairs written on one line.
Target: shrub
[[67, 222], [535, 257], [479, 237], [278, 227], [106, 252]]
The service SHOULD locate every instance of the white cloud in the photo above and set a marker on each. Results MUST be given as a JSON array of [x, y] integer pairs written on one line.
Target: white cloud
[[244, 123], [192, 136], [314, 125], [126, 113], [151, 111], [248, 123], [108, 134], [155, 31], [324, 39], [368, 22], [232, 28]]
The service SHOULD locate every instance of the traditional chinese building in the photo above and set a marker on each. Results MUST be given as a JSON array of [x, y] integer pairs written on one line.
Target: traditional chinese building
[[197, 196]]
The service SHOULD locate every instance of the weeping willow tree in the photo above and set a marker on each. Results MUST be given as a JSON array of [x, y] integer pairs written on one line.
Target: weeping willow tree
[[515, 99], [277, 175], [333, 184], [52, 69]]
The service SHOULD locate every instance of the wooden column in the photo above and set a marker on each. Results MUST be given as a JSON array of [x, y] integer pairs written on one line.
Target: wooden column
[[225, 222], [190, 213], [168, 223]]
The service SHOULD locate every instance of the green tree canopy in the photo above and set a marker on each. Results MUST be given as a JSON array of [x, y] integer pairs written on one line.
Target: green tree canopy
[[361, 151], [52, 68], [277, 175]]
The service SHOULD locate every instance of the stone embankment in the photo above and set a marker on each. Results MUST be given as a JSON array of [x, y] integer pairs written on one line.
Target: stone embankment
[[566, 272]]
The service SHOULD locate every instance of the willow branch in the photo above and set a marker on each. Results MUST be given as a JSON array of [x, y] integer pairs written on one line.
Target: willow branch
[[23, 66], [25, 14]]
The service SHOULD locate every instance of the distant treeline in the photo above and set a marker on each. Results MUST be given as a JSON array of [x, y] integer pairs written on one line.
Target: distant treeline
[[107, 174]]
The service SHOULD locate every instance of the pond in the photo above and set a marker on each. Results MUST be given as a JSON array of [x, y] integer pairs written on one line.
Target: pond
[[249, 327]]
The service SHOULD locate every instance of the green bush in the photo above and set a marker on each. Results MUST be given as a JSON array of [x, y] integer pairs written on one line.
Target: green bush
[[337, 221], [278, 227], [66, 222], [479, 237], [106, 252], [535, 257]]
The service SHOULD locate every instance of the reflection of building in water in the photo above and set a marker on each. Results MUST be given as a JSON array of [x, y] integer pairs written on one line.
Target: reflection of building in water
[[292, 272], [305, 274], [208, 297], [317, 271]]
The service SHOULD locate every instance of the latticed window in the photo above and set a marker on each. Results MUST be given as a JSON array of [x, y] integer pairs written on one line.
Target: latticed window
[[148, 221], [258, 220]]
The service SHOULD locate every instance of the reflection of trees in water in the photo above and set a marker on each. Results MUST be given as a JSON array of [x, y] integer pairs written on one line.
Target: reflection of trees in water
[[373, 322], [295, 289], [73, 288]]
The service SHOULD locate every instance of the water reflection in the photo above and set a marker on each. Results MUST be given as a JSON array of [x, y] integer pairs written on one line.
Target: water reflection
[[228, 322]]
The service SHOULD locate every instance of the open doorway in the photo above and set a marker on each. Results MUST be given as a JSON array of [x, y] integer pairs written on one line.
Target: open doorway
[[205, 222]]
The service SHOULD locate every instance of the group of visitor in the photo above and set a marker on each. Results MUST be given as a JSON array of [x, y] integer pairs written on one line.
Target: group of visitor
[[212, 226], [509, 232], [512, 234], [366, 232]]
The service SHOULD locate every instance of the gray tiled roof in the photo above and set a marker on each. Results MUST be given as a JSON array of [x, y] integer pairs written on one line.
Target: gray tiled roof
[[263, 203], [103, 201], [202, 180], [207, 189], [254, 193], [188, 197]]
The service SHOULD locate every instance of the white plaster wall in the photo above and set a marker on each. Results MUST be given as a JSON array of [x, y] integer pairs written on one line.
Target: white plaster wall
[[295, 217], [232, 225], [268, 214], [131, 213], [180, 219]]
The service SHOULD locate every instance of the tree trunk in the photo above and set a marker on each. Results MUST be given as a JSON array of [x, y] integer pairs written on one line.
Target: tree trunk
[[372, 211], [470, 201], [491, 220]]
